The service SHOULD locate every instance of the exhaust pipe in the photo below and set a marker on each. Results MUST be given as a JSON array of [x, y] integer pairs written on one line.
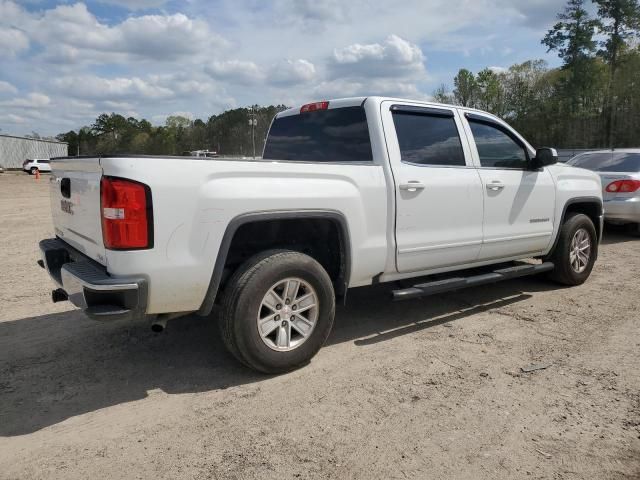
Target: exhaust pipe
[[59, 295], [160, 322]]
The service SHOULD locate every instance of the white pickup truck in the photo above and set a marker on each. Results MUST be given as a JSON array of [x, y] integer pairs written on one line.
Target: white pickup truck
[[348, 193]]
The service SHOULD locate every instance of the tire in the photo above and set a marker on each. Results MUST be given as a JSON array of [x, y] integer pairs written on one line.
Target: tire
[[569, 271], [246, 305], [33, 171]]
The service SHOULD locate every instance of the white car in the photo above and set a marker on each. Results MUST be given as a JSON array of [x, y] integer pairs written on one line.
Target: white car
[[32, 166], [349, 192]]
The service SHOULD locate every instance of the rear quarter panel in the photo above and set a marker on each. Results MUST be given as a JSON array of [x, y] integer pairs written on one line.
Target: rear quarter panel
[[194, 200]]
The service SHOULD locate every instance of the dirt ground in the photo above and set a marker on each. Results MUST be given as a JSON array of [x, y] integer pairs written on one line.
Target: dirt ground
[[431, 388]]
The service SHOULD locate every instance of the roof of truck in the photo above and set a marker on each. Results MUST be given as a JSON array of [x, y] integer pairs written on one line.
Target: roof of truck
[[333, 103], [355, 101]]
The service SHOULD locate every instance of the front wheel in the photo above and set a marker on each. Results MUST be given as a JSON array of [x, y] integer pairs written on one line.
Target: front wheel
[[277, 311], [576, 250], [33, 171]]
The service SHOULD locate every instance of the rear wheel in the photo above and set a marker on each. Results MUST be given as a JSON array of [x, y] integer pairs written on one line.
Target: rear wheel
[[277, 311], [576, 250]]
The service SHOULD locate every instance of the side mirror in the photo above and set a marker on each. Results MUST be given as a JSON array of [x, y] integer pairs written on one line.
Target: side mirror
[[544, 157]]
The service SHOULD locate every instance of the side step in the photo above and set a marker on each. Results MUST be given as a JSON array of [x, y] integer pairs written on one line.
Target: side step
[[456, 283]]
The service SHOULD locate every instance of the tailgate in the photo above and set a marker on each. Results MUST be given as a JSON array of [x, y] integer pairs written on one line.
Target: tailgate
[[75, 204]]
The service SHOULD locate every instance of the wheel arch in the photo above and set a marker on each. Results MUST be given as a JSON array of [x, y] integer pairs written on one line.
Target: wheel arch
[[336, 218], [590, 206]]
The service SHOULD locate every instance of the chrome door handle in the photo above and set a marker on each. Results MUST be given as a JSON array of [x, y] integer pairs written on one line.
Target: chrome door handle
[[495, 186], [412, 186]]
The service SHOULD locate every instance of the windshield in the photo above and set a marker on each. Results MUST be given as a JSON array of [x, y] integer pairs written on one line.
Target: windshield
[[608, 161], [335, 135]]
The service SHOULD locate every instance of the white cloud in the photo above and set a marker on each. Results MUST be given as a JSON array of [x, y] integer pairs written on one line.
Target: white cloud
[[532, 13], [71, 33], [164, 37], [357, 53], [12, 42], [33, 100], [313, 13], [289, 72], [355, 88], [6, 87], [135, 4], [395, 57], [239, 71], [94, 87], [117, 105], [284, 72], [12, 119], [188, 86]]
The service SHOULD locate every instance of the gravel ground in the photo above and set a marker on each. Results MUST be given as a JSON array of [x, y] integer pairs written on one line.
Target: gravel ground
[[431, 388]]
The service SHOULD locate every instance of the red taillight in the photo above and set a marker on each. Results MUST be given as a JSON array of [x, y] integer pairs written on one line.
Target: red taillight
[[126, 214], [623, 186], [312, 107]]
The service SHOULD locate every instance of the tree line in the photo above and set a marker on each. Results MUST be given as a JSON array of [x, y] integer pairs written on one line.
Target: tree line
[[228, 134], [591, 101]]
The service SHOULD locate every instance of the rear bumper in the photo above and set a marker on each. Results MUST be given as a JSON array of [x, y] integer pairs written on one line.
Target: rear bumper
[[627, 210], [90, 287]]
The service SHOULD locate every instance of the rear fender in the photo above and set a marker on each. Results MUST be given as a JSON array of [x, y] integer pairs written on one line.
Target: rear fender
[[237, 222]]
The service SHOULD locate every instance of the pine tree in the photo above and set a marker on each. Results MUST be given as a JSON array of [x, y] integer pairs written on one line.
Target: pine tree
[[620, 20], [465, 88], [572, 37]]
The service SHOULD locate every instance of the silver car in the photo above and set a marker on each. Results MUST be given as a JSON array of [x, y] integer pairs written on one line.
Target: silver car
[[620, 174]]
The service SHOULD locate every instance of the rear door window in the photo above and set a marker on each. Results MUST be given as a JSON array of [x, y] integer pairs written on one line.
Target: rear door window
[[428, 139], [334, 135]]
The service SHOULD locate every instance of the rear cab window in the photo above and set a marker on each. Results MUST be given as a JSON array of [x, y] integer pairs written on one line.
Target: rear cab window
[[325, 136], [428, 136]]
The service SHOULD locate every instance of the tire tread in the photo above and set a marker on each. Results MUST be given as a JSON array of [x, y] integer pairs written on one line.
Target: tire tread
[[562, 273], [239, 281]]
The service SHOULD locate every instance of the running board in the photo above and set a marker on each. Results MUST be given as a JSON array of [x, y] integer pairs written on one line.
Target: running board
[[449, 284]]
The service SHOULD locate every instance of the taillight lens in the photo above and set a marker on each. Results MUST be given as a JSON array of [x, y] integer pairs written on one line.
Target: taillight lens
[[127, 221], [312, 107], [623, 186]]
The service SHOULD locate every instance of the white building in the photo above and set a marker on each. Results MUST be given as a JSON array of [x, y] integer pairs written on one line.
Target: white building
[[15, 150]]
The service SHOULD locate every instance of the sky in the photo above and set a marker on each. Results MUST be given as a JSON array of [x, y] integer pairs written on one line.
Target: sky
[[62, 63]]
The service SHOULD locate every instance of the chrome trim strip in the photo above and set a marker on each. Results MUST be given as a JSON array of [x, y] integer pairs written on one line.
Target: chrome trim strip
[[437, 247], [518, 237]]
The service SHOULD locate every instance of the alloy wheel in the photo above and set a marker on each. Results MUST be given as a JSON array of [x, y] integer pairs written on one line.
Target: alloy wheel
[[288, 314], [580, 250]]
